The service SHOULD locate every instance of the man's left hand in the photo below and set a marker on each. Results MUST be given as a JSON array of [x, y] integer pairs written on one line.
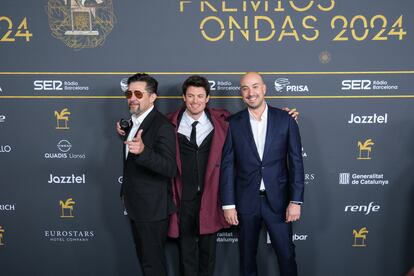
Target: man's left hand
[[292, 212], [292, 112]]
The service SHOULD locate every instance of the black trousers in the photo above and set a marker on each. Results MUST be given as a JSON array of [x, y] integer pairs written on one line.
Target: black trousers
[[150, 239], [197, 252]]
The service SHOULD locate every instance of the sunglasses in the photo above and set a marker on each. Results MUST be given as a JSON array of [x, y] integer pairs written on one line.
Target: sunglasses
[[138, 94]]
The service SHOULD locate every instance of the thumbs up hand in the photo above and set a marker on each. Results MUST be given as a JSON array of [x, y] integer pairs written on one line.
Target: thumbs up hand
[[136, 146]]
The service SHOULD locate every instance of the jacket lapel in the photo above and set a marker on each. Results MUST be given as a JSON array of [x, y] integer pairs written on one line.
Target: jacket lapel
[[269, 130], [147, 122], [247, 128]]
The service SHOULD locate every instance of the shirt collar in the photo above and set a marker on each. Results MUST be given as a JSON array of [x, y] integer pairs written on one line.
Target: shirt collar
[[137, 120], [263, 117], [202, 120]]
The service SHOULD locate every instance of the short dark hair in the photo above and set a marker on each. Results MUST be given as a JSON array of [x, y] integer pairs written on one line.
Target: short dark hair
[[197, 81], [151, 84]]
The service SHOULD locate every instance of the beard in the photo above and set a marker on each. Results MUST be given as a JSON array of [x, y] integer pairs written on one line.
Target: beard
[[254, 105], [135, 109]]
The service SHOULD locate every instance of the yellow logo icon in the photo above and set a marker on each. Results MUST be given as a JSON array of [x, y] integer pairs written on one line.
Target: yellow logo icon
[[81, 23], [365, 149], [360, 237], [62, 119], [1, 235], [67, 208]]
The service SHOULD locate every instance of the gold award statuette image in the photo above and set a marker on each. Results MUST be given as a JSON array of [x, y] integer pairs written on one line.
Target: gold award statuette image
[[62, 118], [67, 208], [360, 237], [81, 23]]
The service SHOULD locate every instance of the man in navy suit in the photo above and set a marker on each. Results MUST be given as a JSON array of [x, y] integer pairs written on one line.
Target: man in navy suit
[[262, 177]]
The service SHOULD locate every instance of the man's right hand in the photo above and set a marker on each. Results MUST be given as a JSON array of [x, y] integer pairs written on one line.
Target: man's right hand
[[231, 216], [119, 129]]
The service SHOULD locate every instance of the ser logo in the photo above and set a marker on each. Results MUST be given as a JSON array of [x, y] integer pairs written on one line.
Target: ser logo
[[48, 85], [356, 85]]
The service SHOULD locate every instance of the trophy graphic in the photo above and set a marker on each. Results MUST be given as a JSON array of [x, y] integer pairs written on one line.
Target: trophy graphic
[[1, 235], [81, 17], [62, 117], [67, 208], [366, 148], [360, 237]]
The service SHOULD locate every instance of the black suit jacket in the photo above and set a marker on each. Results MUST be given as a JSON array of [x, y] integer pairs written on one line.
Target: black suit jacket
[[146, 186]]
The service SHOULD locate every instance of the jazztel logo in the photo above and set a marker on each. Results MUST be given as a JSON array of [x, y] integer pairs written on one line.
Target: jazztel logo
[[71, 179], [67, 208], [1, 235], [366, 209], [365, 149], [81, 23], [284, 83], [368, 119], [62, 119], [2, 118], [5, 148], [360, 237]]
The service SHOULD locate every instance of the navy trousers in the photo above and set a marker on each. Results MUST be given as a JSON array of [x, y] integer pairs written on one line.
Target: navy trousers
[[280, 234]]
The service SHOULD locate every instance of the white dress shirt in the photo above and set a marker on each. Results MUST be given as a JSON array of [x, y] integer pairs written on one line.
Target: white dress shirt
[[136, 122], [203, 128]]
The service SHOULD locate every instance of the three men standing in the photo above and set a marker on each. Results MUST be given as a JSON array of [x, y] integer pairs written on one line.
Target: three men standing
[[261, 171]]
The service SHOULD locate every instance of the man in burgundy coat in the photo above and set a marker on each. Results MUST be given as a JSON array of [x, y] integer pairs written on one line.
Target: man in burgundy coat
[[201, 132]]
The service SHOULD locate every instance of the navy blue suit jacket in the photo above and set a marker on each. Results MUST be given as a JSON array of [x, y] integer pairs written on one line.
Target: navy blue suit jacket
[[281, 167]]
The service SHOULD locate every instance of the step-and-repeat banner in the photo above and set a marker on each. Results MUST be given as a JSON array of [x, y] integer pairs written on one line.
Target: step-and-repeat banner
[[347, 66]]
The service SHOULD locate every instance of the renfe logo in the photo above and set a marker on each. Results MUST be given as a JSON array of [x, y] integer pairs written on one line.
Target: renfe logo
[[362, 208]]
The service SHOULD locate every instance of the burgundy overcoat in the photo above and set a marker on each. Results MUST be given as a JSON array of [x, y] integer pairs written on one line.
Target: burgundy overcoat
[[211, 213]]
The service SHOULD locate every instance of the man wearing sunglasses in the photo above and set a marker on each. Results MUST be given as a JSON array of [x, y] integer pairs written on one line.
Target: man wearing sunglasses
[[149, 165]]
